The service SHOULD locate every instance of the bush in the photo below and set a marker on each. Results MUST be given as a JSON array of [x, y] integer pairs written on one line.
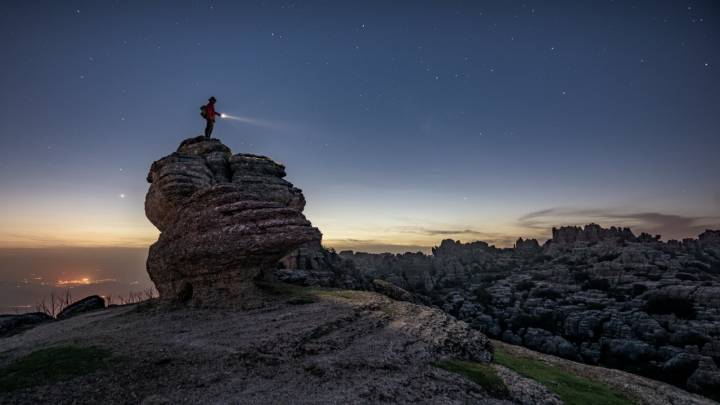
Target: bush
[[683, 308]]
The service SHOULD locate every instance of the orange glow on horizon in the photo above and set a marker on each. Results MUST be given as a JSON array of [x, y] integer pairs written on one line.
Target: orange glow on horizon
[[81, 281]]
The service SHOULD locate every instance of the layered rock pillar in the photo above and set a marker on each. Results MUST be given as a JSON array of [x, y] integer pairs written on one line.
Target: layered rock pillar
[[223, 219]]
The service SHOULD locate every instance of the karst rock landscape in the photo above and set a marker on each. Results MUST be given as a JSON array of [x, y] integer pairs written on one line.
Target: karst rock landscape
[[252, 309]]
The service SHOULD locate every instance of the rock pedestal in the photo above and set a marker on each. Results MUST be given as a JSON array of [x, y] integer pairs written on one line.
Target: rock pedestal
[[223, 218]]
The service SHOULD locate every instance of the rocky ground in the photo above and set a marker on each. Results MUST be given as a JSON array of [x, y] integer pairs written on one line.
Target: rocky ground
[[596, 295], [320, 347], [303, 346]]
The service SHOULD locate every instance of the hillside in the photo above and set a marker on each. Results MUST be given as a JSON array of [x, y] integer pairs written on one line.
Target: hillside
[[304, 345]]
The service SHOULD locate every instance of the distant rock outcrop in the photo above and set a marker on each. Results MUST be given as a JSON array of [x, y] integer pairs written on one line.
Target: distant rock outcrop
[[223, 219], [591, 233]]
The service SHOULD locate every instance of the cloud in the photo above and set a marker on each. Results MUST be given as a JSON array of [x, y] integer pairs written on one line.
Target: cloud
[[671, 226], [467, 234]]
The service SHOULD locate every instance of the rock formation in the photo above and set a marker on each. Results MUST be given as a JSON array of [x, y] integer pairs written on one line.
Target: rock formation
[[223, 219], [87, 304], [16, 323], [597, 295]]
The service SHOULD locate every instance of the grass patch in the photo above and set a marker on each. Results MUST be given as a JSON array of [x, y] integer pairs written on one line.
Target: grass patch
[[47, 366], [295, 295], [302, 295], [335, 293], [481, 374], [570, 388]]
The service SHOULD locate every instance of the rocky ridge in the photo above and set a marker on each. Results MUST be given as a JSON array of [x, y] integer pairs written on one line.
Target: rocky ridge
[[596, 295]]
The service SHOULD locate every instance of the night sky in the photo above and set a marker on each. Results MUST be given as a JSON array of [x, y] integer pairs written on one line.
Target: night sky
[[403, 122]]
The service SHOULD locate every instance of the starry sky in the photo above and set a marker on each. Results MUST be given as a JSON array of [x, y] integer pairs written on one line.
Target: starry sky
[[403, 122]]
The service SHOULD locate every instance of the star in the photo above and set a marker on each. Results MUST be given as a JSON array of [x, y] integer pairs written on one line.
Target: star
[[122, 195]]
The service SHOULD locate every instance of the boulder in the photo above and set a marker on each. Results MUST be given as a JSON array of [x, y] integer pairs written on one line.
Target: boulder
[[86, 304], [13, 324], [546, 342], [224, 220], [391, 290]]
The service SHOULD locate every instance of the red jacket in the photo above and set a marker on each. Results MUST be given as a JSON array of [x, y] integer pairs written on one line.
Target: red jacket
[[210, 112]]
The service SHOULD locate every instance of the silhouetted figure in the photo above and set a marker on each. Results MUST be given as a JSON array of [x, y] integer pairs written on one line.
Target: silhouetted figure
[[208, 112]]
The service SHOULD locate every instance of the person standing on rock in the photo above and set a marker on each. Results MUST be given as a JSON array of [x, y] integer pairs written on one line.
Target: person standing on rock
[[208, 112]]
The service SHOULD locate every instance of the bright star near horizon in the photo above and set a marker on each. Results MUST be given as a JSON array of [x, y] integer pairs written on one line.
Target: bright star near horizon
[[122, 195]]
